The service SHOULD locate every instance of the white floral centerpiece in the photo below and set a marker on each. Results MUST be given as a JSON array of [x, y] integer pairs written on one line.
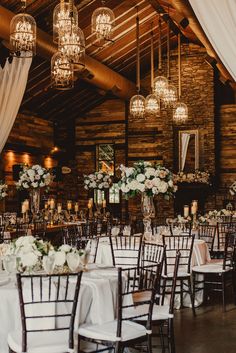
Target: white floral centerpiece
[[213, 216], [148, 178], [34, 177], [98, 180], [232, 189], [3, 190], [202, 177]]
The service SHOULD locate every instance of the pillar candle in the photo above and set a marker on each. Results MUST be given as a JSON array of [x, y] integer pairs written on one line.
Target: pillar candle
[[52, 204], [59, 207], [186, 211], [104, 203], [76, 207], [69, 205]]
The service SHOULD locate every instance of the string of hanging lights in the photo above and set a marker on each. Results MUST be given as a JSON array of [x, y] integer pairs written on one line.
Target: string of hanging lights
[[23, 34], [63, 19], [180, 113], [103, 21], [152, 101], [61, 78], [137, 102]]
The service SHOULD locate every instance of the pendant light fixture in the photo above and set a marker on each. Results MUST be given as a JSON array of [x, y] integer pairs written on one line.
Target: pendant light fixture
[[137, 102], [152, 101], [65, 15], [103, 21], [160, 82], [61, 78], [180, 114], [23, 34], [170, 92]]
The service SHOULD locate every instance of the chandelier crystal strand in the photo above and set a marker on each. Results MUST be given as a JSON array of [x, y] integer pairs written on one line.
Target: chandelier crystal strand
[[137, 102], [23, 34], [103, 21], [180, 113], [61, 78], [160, 82], [65, 15], [170, 92], [152, 101]]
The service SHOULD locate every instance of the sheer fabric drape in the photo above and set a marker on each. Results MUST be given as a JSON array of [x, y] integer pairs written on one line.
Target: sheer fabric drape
[[218, 20], [13, 79]]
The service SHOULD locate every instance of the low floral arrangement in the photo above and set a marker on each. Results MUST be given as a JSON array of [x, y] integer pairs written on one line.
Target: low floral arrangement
[[232, 189], [196, 177], [214, 216], [98, 180], [30, 253], [145, 177], [3, 190], [34, 177]]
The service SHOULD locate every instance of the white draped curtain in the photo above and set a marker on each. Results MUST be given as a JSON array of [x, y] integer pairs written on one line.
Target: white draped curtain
[[218, 20], [185, 137], [13, 79]]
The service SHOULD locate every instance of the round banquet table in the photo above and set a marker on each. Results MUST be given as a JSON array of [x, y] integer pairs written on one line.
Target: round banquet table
[[95, 305]]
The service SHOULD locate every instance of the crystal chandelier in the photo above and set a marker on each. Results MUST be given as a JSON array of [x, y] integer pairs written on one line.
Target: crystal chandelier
[[152, 101], [72, 45], [137, 102], [160, 82], [170, 96], [180, 113], [65, 15], [103, 22], [23, 34], [62, 78]]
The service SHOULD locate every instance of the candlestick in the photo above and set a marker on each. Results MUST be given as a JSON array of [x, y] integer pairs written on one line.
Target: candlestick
[[52, 204], [59, 207], [26, 205], [69, 205], [186, 211], [104, 203], [76, 207]]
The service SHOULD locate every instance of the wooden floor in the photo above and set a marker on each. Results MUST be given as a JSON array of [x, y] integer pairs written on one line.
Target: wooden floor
[[212, 331]]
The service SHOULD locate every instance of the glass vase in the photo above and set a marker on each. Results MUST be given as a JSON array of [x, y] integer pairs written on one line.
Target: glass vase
[[148, 211], [35, 201]]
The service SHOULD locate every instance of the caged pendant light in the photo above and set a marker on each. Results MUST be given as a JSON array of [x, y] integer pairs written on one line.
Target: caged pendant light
[[23, 34], [170, 92], [160, 82], [152, 101], [180, 113], [65, 15], [61, 78], [103, 21], [137, 102]]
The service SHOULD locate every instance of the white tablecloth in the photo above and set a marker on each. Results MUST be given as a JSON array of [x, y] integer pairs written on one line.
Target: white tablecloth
[[96, 301]]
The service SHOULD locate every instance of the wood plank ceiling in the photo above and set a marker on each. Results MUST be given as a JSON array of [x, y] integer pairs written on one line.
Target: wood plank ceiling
[[41, 100]]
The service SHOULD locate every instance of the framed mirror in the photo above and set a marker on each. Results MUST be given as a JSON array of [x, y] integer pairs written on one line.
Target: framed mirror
[[188, 150]]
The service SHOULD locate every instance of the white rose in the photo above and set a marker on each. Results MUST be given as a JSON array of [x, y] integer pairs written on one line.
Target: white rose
[[29, 260], [65, 248], [106, 185], [99, 176], [60, 258], [170, 182], [40, 172], [35, 184], [41, 184], [156, 182], [163, 187], [125, 188], [155, 190], [133, 185], [25, 185], [141, 187], [129, 171], [31, 173], [24, 240], [148, 184], [86, 181], [150, 172], [140, 178]]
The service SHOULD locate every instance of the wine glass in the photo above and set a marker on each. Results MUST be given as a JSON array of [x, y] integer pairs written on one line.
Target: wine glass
[[9, 263], [84, 259], [73, 261], [49, 263]]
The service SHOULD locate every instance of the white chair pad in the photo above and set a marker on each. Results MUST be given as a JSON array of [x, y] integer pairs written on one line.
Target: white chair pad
[[40, 342], [211, 267], [180, 274], [107, 331], [160, 312]]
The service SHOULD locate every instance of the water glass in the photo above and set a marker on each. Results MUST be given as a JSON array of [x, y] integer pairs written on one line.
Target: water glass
[[49, 264], [9, 264], [73, 261]]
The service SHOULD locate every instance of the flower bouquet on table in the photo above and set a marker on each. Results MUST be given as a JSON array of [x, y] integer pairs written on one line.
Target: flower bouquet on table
[[214, 216], [3, 190], [33, 179], [232, 189], [98, 180]]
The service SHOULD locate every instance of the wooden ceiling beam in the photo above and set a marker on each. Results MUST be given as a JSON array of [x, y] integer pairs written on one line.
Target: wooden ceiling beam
[[184, 8], [103, 77]]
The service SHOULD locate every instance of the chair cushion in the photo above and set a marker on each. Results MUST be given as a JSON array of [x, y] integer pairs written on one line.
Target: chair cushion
[[181, 274], [212, 267], [107, 331], [160, 313], [40, 342]]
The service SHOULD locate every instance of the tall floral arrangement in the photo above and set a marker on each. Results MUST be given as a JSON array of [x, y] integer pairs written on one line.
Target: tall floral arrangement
[[98, 180], [148, 178], [34, 177], [3, 190]]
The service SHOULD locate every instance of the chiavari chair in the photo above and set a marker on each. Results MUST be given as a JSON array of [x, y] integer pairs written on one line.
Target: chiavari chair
[[39, 229], [217, 274], [48, 306], [183, 244], [222, 230], [207, 233], [125, 331], [22, 229]]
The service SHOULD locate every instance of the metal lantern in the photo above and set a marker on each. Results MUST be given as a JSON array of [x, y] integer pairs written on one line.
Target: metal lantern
[[103, 20], [23, 36], [72, 45], [61, 78], [152, 105], [160, 85], [180, 114], [65, 16], [137, 106]]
